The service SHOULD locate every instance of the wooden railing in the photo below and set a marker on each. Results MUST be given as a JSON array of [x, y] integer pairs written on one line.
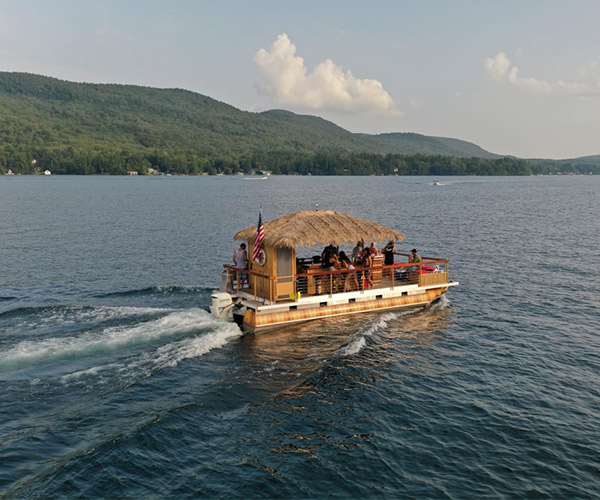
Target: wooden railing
[[257, 284], [430, 272]]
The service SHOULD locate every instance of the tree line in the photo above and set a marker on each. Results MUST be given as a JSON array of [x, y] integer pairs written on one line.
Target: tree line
[[73, 162]]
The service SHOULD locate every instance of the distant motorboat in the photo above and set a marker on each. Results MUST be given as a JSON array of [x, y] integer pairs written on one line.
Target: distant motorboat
[[47, 172], [436, 183]]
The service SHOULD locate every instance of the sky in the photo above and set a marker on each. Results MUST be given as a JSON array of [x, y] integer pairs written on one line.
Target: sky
[[515, 77]]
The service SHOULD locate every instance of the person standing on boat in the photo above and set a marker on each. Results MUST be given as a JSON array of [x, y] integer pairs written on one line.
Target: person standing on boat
[[388, 252], [367, 262], [364, 262], [328, 254], [358, 250], [240, 259], [329, 260]]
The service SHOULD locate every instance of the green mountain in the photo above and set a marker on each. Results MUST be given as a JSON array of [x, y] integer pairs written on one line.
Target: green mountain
[[582, 164], [86, 128], [593, 160], [38, 111], [410, 143]]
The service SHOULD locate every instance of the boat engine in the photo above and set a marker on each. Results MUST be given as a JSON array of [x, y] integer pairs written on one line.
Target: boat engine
[[222, 306]]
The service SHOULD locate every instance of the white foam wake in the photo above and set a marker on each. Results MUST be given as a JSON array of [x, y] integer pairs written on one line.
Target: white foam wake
[[442, 304], [382, 321], [356, 345], [171, 355], [94, 370], [353, 347], [167, 356], [49, 350], [103, 313], [66, 315]]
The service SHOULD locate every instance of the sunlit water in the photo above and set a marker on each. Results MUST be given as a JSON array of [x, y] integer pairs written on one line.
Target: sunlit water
[[116, 382]]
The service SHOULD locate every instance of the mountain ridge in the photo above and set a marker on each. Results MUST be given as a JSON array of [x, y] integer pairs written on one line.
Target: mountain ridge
[[114, 128], [202, 114]]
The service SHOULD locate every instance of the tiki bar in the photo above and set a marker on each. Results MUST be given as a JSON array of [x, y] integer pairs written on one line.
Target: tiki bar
[[286, 278]]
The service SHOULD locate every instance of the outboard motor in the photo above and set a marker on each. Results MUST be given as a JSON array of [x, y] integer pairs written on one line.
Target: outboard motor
[[222, 306]]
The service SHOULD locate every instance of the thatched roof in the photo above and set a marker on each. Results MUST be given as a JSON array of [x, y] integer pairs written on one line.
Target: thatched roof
[[307, 229]]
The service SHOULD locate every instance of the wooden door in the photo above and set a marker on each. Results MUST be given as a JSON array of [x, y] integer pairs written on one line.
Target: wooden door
[[285, 272]]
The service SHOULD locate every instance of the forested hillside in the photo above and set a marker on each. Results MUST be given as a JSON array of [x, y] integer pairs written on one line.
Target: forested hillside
[[84, 128]]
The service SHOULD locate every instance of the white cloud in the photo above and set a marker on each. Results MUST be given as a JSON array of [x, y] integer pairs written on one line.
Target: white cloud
[[328, 87], [500, 68], [497, 66]]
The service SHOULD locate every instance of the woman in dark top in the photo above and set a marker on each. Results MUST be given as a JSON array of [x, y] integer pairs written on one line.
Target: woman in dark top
[[367, 262], [388, 256], [388, 253]]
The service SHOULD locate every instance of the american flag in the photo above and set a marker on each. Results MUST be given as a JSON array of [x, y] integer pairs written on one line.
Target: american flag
[[260, 236]]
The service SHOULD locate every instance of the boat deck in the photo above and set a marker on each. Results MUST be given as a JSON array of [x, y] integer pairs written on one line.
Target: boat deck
[[314, 281]]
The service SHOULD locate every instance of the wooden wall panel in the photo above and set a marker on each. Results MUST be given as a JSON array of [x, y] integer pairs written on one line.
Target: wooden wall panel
[[433, 279]]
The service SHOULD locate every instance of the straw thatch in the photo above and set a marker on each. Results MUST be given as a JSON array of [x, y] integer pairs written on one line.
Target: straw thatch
[[308, 229]]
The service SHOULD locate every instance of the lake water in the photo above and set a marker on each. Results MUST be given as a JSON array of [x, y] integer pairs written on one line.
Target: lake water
[[116, 382]]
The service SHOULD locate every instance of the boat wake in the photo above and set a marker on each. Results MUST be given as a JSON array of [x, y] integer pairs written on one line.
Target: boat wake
[[166, 356], [379, 324], [383, 321], [442, 304], [155, 290], [353, 347], [123, 341], [77, 343], [62, 316], [170, 355]]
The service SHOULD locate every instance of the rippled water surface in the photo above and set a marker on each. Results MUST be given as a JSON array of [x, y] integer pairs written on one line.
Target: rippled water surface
[[116, 382]]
